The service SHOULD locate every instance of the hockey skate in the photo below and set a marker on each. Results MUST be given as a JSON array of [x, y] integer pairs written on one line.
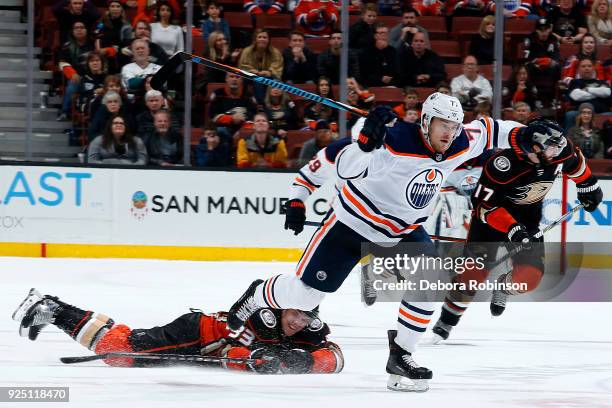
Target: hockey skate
[[441, 331], [400, 365], [34, 313], [498, 299], [368, 293], [240, 311]]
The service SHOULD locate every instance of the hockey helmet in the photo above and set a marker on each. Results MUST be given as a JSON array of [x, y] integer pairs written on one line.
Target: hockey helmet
[[546, 134], [439, 105]]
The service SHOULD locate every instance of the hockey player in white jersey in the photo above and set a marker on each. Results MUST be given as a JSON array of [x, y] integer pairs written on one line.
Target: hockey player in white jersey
[[391, 177]]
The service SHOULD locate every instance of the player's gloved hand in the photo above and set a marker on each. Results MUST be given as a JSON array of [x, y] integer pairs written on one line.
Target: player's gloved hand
[[296, 361], [374, 129], [519, 234], [589, 194], [270, 361], [295, 216]]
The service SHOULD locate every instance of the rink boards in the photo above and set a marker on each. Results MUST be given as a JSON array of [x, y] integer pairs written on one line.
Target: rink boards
[[184, 214]]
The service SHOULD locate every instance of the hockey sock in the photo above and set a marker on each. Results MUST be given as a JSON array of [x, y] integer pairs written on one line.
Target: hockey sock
[[527, 274], [287, 292], [452, 311], [86, 327], [412, 322]]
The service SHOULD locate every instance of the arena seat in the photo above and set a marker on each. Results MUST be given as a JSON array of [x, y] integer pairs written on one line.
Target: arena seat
[[278, 24], [239, 20], [466, 24], [280, 43], [449, 50], [424, 93], [435, 26], [387, 94]]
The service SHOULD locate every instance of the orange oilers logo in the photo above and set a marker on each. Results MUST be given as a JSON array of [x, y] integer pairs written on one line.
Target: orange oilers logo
[[139, 205], [423, 188]]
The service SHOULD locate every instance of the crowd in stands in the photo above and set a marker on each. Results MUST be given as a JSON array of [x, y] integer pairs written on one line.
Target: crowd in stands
[[556, 62]]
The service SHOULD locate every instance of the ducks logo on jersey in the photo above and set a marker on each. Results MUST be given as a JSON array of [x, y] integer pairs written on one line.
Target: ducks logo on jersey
[[423, 187]]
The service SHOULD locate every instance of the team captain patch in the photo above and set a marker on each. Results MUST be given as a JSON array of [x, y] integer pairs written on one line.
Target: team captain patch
[[502, 163], [268, 318]]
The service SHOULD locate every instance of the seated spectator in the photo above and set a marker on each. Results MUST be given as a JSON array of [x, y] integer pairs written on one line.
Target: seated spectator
[[361, 34], [411, 102], [389, 7], [482, 44], [263, 59], [358, 97], [211, 152], [542, 56], [471, 87], [585, 135], [73, 64], [261, 149], [328, 62], [519, 88], [111, 105], [164, 142], [68, 12], [521, 112], [429, 7], [588, 49], [154, 102], [515, 9], [587, 88], [111, 83], [569, 24], [135, 75], [444, 88], [600, 22], [379, 63], [412, 115], [112, 31], [607, 139], [218, 50], [281, 111], [316, 111], [146, 9], [420, 66], [92, 81], [471, 8], [263, 6], [231, 107], [214, 22], [316, 17], [401, 34], [117, 145], [163, 32], [483, 109], [157, 55], [322, 138], [299, 63]]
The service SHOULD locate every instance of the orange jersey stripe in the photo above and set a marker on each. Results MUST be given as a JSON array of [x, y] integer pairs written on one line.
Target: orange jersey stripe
[[414, 318], [404, 154], [305, 184], [311, 247], [153, 350]]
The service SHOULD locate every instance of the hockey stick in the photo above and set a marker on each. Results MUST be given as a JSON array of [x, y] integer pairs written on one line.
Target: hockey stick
[[178, 358], [169, 68]]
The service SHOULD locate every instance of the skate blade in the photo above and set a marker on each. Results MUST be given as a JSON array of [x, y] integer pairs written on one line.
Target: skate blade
[[432, 341], [32, 298], [395, 384]]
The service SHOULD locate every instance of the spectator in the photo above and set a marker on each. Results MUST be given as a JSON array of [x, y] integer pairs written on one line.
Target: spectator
[[92, 81], [444, 88], [521, 112], [607, 139], [471, 87], [111, 83], [361, 34], [470, 8], [569, 25], [166, 34], [315, 111], [483, 109], [519, 88], [542, 55], [68, 12], [379, 63], [515, 9], [328, 62], [73, 64], [412, 116], [154, 102], [401, 34], [231, 107], [358, 97], [389, 7], [218, 50], [600, 22], [214, 22], [585, 135], [429, 7], [322, 138], [264, 6], [411, 102], [147, 9], [164, 142], [112, 31], [300, 64], [117, 145], [211, 152], [157, 55], [483, 43], [135, 75], [111, 105], [281, 112], [587, 50], [263, 59], [420, 66], [261, 149], [587, 88], [316, 17]]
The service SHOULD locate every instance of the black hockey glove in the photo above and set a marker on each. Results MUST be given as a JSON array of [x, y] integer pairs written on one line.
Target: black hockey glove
[[374, 129], [296, 361], [295, 216], [519, 234], [589, 194], [271, 363]]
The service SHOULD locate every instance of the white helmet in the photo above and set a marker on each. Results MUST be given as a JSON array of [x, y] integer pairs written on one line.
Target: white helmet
[[439, 105]]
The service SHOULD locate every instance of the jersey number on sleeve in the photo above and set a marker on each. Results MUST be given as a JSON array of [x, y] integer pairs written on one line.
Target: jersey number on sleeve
[[243, 336], [487, 192], [314, 164]]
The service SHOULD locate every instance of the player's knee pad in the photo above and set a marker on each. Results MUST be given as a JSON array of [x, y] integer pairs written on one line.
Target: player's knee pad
[[114, 341], [328, 360], [528, 274]]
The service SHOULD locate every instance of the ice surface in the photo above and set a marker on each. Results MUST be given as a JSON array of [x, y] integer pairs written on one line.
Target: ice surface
[[535, 355]]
